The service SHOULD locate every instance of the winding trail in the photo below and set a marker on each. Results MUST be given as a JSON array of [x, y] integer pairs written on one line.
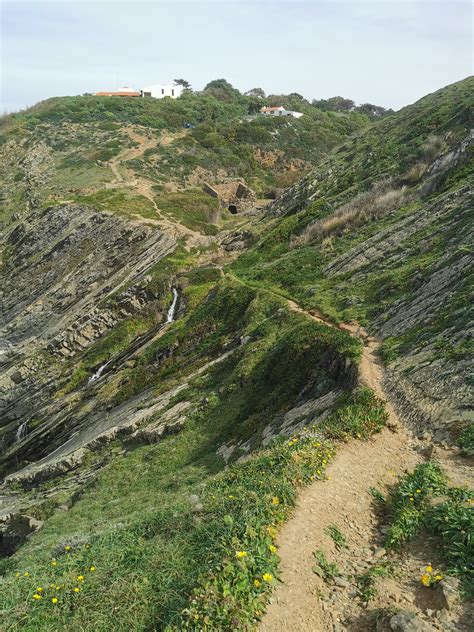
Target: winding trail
[[344, 500], [143, 187]]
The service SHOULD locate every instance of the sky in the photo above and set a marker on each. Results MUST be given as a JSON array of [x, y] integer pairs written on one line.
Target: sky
[[387, 52]]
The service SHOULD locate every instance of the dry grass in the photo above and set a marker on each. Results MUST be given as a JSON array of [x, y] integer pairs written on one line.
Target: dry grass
[[433, 147], [374, 204], [415, 173]]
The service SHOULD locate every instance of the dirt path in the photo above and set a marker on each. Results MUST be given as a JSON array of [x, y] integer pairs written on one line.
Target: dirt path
[[143, 187], [343, 500], [301, 601]]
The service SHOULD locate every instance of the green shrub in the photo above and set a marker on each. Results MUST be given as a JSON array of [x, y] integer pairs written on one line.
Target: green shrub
[[423, 500], [359, 414], [466, 440]]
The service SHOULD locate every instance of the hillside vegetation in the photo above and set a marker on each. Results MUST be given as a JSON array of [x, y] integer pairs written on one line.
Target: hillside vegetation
[[212, 135], [152, 456]]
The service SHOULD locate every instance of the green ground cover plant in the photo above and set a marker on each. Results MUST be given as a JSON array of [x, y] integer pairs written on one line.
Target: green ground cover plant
[[119, 201], [325, 569], [193, 208], [423, 500]]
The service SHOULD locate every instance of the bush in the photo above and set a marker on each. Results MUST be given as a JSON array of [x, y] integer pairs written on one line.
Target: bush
[[368, 205], [466, 440]]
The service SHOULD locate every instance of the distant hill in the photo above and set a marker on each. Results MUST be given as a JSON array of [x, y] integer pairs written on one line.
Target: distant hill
[[212, 135]]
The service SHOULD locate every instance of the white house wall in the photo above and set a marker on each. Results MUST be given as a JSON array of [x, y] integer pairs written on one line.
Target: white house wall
[[159, 91]]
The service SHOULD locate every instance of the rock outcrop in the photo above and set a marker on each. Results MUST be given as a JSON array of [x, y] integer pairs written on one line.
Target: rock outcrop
[[71, 275]]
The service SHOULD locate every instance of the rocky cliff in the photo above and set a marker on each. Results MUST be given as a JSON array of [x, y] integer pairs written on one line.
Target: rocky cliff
[[62, 265]]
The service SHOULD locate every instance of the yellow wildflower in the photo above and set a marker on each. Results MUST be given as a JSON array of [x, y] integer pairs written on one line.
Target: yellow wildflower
[[272, 532], [429, 568], [77, 589], [272, 548], [256, 583], [426, 579], [267, 577], [17, 574], [241, 554], [39, 589], [26, 574], [438, 578], [54, 563], [58, 587], [67, 548], [80, 578], [275, 500], [418, 491], [36, 596], [54, 600], [92, 569]]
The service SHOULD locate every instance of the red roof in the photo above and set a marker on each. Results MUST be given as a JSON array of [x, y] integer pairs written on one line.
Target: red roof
[[118, 94], [270, 109]]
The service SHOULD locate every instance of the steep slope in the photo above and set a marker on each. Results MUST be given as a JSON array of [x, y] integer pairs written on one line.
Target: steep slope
[[87, 219], [382, 233]]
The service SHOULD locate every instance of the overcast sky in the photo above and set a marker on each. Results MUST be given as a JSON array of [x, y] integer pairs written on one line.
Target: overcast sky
[[388, 52]]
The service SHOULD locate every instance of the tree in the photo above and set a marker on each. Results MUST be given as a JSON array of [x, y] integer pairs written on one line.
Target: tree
[[255, 92], [374, 111], [182, 82], [222, 90], [296, 95], [334, 104]]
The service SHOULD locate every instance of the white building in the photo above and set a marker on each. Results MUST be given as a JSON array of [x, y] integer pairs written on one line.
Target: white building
[[279, 110], [159, 91]]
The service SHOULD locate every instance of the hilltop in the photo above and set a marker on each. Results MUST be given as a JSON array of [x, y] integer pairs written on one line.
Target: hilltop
[[180, 144], [176, 376]]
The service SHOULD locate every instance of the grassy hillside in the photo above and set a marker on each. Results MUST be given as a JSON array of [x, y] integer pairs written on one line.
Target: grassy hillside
[[141, 561], [368, 185], [71, 139], [381, 233]]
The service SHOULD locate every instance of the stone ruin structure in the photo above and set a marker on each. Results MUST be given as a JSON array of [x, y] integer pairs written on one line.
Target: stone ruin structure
[[235, 196]]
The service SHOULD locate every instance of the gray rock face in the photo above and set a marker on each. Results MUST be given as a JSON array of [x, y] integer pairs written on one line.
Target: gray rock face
[[64, 264], [449, 587], [409, 622], [429, 388], [429, 379], [14, 529]]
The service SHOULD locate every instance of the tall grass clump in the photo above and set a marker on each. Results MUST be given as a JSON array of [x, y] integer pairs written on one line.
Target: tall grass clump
[[381, 200]]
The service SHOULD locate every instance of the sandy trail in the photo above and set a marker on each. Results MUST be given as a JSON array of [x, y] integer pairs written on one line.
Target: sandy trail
[[343, 500], [144, 187]]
